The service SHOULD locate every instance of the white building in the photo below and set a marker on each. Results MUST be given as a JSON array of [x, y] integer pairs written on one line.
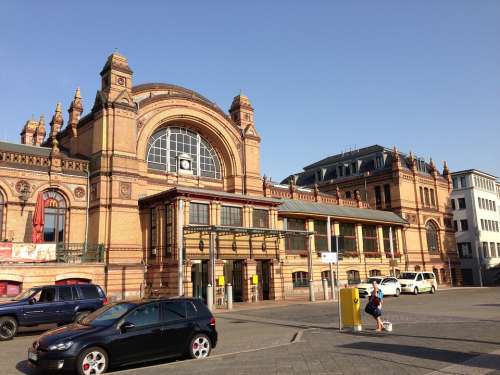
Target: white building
[[475, 201]]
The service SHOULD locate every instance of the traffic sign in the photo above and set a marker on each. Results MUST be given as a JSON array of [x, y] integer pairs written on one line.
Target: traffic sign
[[328, 257]]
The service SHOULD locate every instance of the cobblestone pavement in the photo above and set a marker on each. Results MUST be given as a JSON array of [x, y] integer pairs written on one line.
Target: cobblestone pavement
[[453, 332]]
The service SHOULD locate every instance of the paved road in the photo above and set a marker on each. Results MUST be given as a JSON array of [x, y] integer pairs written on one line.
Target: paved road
[[453, 332]]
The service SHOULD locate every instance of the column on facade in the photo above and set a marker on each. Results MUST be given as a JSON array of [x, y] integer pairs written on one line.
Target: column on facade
[[380, 242], [310, 258]]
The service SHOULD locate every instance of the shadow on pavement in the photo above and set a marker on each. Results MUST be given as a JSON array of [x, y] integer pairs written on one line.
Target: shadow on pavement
[[24, 368], [442, 355]]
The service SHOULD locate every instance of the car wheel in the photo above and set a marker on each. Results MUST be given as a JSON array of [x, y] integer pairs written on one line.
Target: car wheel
[[415, 291], [398, 292], [433, 290], [92, 361], [8, 328], [81, 315], [200, 346]]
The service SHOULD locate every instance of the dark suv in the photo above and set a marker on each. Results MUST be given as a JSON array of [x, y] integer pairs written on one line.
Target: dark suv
[[127, 332], [49, 304]]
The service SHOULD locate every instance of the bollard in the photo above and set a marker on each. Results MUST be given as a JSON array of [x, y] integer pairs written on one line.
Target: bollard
[[312, 297], [325, 289], [210, 297], [229, 297]]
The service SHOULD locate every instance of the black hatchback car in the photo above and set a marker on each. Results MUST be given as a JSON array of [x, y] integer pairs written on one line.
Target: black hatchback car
[[125, 333], [61, 304]]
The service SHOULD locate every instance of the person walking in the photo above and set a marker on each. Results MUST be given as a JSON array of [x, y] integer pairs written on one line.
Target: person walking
[[374, 305]]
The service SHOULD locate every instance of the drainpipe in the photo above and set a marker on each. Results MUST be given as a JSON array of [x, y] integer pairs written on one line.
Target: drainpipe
[[85, 248]]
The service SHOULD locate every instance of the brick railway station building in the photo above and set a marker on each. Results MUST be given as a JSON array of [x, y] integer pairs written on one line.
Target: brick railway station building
[[157, 191]]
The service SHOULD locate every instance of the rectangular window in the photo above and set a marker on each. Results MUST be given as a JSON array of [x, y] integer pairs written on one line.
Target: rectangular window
[[482, 224], [260, 218], [378, 197], [387, 240], [461, 203], [433, 198], [153, 235], [455, 183], [321, 235], [169, 235], [198, 213], [498, 249], [231, 216], [421, 195], [492, 250], [453, 206], [480, 202], [464, 250], [370, 239], [455, 226], [463, 183], [296, 242], [464, 225], [387, 196], [348, 230], [485, 250], [427, 201]]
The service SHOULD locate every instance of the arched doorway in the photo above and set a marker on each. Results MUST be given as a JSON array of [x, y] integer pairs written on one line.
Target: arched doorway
[[54, 216]]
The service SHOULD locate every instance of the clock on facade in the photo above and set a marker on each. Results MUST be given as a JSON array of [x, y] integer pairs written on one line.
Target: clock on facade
[[185, 164]]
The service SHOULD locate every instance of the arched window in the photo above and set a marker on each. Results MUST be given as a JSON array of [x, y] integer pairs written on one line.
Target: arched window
[[54, 216], [300, 279], [326, 275], [2, 204], [432, 237], [167, 144], [375, 273], [353, 277]]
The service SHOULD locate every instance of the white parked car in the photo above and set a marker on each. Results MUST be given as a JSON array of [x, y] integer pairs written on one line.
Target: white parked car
[[418, 282], [389, 286]]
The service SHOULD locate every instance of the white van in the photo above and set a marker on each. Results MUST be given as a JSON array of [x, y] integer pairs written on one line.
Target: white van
[[417, 282]]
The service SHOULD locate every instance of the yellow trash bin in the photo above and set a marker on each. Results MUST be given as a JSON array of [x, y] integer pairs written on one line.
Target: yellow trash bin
[[350, 309]]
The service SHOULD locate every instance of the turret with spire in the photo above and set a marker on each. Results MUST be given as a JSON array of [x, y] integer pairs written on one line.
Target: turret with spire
[[57, 122], [75, 110], [28, 132], [396, 160], [40, 132]]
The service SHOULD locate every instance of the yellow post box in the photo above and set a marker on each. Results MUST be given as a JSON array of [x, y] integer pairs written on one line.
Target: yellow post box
[[221, 281], [350, 309], [255, 279]]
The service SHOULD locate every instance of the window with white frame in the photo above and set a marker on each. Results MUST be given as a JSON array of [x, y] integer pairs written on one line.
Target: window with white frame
[[167, 144]]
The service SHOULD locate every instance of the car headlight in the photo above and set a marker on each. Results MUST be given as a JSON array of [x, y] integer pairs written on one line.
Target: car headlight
[[62, 346]]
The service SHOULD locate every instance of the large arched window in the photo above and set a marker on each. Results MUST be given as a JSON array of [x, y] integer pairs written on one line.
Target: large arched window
[[2, 204], [432, 237], [167, 144], [54, 216]]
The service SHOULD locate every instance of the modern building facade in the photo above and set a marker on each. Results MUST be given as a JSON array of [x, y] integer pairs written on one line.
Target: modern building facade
[[476, 216], [157, 191], [404, 184]]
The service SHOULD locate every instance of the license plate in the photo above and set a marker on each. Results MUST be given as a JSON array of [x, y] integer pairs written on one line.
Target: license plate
[[32, 356]]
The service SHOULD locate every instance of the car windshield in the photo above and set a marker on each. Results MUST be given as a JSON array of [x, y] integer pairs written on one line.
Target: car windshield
[[371, 280], [407, 275], [26, 294], [107, 315]]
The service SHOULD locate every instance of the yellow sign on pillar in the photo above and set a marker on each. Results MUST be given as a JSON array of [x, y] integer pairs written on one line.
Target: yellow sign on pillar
[[221, 281], [350, 309], [255, 279]]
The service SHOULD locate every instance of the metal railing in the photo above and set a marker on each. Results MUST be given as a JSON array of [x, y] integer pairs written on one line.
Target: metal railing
[[79, 253]]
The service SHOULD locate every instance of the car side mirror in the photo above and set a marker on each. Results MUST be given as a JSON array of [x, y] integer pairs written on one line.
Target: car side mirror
[[126, 326]]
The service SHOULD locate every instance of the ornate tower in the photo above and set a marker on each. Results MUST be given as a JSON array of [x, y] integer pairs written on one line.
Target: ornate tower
[[27, 134], [57, 122], [116, 76], [40, 132], [242, 113]]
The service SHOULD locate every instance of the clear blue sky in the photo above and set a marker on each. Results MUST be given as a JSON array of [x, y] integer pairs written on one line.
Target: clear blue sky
[[323, 76]]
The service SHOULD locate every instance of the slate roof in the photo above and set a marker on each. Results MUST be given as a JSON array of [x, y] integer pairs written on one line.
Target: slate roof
[[25, 149], [296, 206]]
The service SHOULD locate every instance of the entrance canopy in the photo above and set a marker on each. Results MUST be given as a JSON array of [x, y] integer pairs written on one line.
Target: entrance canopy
[[243, 231]]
